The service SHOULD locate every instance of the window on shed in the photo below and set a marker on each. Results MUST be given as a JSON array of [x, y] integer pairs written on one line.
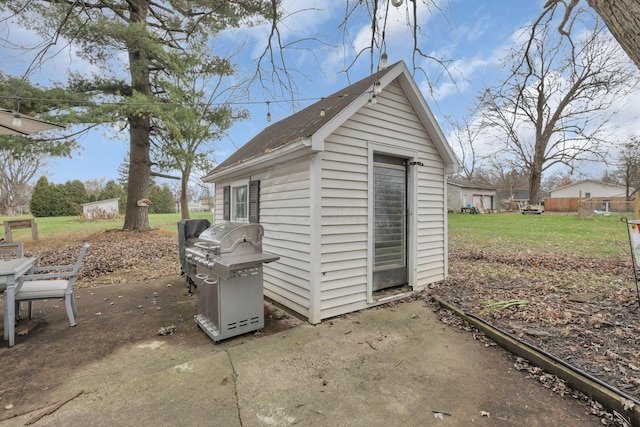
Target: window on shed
[[241, 203]]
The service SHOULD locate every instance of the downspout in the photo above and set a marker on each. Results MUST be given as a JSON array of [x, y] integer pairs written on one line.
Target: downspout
[[445, 216]]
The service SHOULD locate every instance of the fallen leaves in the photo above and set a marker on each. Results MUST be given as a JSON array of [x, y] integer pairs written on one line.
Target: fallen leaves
[[167, 330], [584, 311], [501, 305], [137, 253]]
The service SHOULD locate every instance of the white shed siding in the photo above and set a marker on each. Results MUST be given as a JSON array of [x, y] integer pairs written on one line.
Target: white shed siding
[[344, 224], [431, 245], [284, 214], [218, 204], [345, 200]]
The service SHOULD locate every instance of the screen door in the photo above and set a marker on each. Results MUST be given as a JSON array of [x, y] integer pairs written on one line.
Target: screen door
[[390, 221]]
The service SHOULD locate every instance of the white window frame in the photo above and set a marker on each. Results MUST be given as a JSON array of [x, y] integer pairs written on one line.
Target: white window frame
[[234, 202]]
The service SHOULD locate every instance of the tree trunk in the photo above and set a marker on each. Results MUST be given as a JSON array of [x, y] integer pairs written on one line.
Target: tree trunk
[[623, 20], [137, 217], [534, 186], [7, 208], [184, 203]]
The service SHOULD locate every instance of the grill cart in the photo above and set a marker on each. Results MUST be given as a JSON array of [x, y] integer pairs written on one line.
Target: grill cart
[[227, 261]]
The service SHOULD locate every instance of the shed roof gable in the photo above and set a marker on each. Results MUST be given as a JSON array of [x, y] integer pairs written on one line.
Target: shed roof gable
[[308, 124]]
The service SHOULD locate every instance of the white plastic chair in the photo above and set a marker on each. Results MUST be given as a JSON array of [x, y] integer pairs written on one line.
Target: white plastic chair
[[9, 251], [57, 283]]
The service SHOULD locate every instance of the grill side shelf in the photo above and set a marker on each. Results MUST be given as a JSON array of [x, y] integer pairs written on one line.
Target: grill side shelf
[[223, 266]]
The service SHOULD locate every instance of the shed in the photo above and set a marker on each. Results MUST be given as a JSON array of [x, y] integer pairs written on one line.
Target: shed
[[463, 194], [102, 209], [351, 194]]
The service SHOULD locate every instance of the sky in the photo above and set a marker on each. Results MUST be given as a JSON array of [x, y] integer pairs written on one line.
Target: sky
[[472, 34]]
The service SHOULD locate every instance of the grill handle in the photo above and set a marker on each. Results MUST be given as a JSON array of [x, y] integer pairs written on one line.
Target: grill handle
[[255, 244], [209, 282], [203, 245], [201, 276]]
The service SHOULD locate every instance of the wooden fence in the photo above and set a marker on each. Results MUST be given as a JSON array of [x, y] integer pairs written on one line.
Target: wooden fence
[[572, 204]]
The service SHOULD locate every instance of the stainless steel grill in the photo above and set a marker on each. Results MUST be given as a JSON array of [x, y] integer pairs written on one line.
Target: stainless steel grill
[[227, 261]]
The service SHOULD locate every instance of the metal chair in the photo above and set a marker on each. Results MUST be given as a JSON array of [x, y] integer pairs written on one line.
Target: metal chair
[[9, 251], [51, 282]]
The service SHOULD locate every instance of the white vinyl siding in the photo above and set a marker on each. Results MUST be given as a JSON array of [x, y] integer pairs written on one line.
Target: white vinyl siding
[[345, 200], [592, 188], [344, 224], [284, 214]]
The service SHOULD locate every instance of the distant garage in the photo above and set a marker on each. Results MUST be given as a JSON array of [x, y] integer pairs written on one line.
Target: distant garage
[[102, 209], [463, 196]]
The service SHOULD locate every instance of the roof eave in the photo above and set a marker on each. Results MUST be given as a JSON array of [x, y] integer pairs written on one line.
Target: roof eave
[[283, 154]]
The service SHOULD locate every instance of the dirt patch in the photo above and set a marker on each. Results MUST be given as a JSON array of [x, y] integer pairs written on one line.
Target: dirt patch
[[130, 291]]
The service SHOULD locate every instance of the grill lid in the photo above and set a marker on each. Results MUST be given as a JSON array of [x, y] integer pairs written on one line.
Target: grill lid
[[231, 238]]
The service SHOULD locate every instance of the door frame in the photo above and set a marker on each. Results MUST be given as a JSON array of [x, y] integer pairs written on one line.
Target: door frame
[[410, 156]]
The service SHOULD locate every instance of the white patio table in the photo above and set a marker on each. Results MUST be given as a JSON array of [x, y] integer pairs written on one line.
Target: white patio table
[[10, 272]]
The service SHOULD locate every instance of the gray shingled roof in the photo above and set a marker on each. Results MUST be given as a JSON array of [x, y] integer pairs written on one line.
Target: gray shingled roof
[[303, 124], [468, 184]]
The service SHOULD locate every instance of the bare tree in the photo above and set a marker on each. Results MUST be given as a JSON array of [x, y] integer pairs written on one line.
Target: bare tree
[[554, 106], [505, 176], [94, 186], [465, 140], [620, 16], [556, 179], [629, 164], [18, 171]]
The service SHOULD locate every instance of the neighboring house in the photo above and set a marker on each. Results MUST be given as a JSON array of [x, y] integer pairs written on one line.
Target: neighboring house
[[102, 209], [204, 205], [589, 188], [351, 195], [588, 195], [463, 194]]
